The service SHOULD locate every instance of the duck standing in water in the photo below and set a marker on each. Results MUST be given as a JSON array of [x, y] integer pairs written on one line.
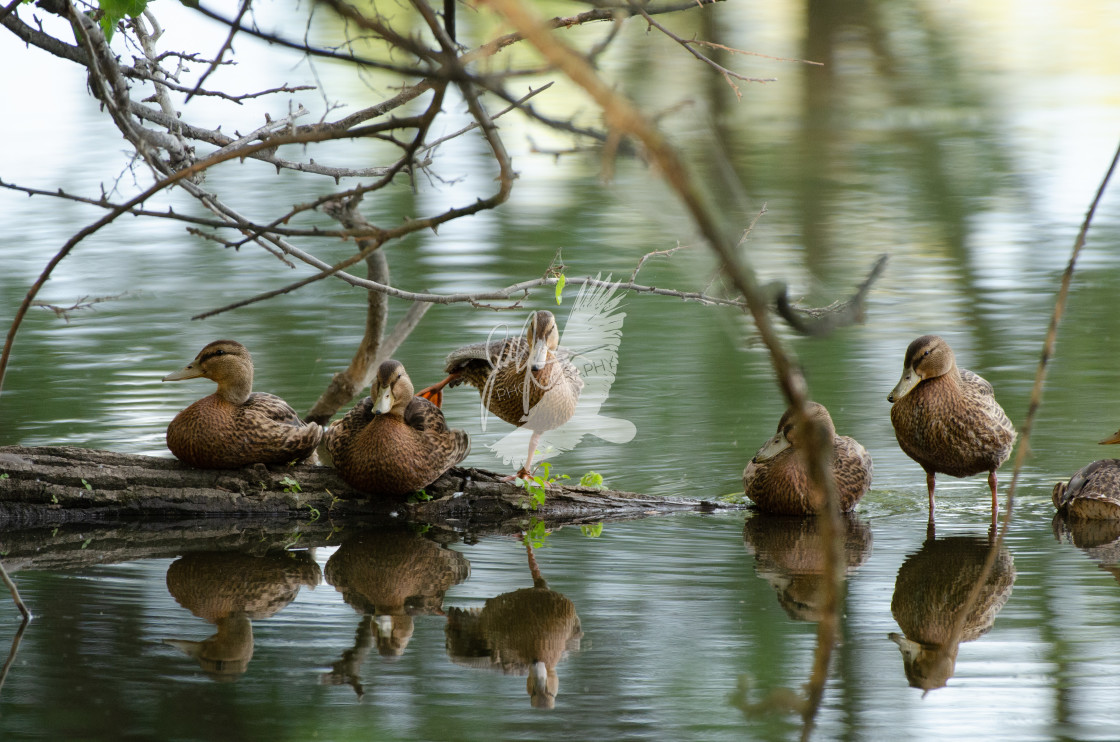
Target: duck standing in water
[[946, 418], [394, 443], [235, 427], [523, 380], [777, 480]]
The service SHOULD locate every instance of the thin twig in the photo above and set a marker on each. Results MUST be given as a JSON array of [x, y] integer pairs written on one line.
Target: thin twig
[[728, 75], [15, 593]]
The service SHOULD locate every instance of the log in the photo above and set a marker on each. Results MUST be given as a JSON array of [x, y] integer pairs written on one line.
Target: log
[[65, 484]]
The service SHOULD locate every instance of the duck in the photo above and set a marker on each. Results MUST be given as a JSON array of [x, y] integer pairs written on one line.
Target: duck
[[235, 427], [1093, 492], [394, 443], [947, 418], [777, 481], [525, 380]]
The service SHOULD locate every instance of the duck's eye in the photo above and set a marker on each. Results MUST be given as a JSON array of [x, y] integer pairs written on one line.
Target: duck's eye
[[219, 352]]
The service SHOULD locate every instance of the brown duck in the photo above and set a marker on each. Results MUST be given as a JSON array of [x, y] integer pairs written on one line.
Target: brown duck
[[235, 427], [947, 418], [1093, 493], [524, 380], [777, 481], [394, 443]]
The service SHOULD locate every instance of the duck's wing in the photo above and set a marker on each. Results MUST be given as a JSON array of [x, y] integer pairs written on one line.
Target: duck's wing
[[496, 351], [424, 416], [449, 447], [592, 335], [277, 427], [348, 425], [977, 384], [1098, 480], [273, 408], [591, 338]]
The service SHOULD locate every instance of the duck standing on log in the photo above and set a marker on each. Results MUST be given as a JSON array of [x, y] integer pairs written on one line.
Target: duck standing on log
[[235, 427], [946, 418], [523, 380]]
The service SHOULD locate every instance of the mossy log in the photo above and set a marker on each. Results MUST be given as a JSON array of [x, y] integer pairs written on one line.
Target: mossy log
[[52, 485]]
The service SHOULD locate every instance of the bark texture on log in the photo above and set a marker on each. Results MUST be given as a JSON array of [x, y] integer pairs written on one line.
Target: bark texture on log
[[65, 484]]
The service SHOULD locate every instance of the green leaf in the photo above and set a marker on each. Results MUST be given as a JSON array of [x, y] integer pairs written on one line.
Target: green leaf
[[113, 11], [591, 479], [560, 281]]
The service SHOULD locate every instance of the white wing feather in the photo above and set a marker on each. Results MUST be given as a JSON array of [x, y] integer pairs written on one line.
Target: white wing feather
[[590, 340]]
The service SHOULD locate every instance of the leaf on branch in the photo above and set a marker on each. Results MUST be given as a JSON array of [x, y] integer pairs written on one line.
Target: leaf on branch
[[560, 281], [112, 11]]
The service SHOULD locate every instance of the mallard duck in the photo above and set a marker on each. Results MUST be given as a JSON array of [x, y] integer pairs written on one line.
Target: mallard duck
[[947, 418], [235, 427], [1093, 493], [523, 380], [394, 443], [777, 481]]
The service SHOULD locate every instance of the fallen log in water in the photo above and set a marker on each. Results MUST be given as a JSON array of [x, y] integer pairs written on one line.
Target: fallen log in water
[[66, 484]]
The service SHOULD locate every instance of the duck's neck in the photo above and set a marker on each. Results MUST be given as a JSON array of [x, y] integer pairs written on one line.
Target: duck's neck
[[951, 379], [236, 390]]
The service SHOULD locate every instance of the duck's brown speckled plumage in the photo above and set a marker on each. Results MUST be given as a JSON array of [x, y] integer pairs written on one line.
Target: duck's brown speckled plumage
[[234, 427], [1093, 493], [400, 450], [777, 481], [947, 418], [511, 384], [524, 380]]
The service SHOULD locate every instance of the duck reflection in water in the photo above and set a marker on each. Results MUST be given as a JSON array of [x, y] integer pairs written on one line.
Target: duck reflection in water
[[1099, 539], [231, 589], [524, 632], [388, 576], [929, 603], [789, 554]]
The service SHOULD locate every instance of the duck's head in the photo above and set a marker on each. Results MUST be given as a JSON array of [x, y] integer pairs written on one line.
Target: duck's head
[[392, 390], [226, 362], [542, 684], [794, 432], [927, 357], [543, 336]]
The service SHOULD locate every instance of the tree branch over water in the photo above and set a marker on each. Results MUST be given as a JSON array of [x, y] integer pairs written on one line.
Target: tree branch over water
[[173, 145]]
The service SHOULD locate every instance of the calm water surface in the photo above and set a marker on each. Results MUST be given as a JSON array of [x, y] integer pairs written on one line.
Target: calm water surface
[[967, 145]]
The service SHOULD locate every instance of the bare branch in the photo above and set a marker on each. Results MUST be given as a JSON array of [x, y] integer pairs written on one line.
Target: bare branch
[[728, 75], [83, 303]]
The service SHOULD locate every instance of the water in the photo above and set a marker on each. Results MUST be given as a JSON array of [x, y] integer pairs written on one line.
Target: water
[[937, 138]]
